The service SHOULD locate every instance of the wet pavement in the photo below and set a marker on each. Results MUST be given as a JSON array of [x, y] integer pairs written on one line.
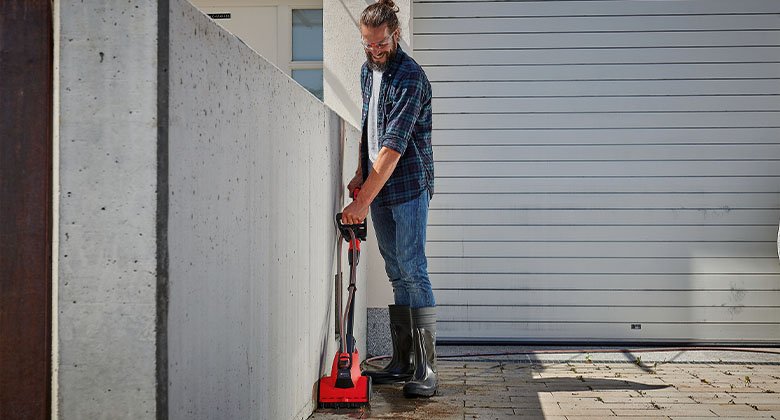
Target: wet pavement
[[597, 383]]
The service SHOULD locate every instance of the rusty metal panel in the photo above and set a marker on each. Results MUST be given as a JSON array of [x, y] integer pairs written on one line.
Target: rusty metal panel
[[26, 56]]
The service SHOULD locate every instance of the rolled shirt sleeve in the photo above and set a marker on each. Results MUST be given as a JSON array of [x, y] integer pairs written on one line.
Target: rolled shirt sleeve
[[402, 117]]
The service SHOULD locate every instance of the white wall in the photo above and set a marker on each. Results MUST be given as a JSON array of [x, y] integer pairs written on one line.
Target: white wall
[[254, 184], [105, 302]]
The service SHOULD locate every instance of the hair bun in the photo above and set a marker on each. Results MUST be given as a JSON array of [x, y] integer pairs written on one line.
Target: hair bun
[[389, 3], [383, 12]]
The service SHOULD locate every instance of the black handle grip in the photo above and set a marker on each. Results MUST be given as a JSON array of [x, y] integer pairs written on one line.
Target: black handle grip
[[360, 229]]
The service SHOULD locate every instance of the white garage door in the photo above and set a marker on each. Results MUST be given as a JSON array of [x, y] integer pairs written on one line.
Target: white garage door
[[606, 170]]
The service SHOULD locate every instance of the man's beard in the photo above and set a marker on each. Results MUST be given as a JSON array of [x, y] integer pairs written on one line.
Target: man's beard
[[373, 65]]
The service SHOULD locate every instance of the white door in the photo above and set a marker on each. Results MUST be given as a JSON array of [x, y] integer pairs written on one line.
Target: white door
[[605, 170]]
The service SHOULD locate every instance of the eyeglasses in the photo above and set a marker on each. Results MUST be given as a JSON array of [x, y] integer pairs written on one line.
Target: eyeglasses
[[377, 45]]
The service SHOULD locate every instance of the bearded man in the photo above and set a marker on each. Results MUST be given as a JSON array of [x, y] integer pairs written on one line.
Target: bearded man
[[395, 177]]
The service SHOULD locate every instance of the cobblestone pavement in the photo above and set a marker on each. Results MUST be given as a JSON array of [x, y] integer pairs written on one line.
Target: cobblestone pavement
[[587, 387]]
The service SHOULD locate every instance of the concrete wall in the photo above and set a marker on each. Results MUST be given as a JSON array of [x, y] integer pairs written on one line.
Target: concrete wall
[[254, 184], [105, 306], [255, 178]]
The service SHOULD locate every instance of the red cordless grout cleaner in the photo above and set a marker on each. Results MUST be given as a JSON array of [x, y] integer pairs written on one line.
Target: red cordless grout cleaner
[[345, 387]]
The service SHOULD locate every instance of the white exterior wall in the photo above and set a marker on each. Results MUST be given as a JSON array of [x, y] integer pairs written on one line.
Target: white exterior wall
[[105, 302], [254, 185], [604, 163]]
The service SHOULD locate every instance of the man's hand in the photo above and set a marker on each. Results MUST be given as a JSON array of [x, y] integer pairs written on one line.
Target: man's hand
[[383, 167], [354, 213]]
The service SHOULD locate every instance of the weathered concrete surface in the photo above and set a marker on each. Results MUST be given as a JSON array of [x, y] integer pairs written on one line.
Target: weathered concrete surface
[[255, 181], [107, 214], [378, 341], [588, 389]]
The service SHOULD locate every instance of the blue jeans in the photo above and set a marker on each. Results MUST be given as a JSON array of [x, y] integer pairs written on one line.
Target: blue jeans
[[400, 233]]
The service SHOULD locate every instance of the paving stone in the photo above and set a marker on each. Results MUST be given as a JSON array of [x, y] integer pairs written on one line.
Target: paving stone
[[583, 405], [744, 390], [471, 390], [489, 404], [690, 410], [484, 381], [710, 418], [561, 399], [488, 412], [762, 398], [713, 399], [559, 411], [740, 410], [648, 417], [541, 417], [646, 400]]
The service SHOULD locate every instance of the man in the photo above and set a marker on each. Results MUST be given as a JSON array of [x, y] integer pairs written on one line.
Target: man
[[395, 174]]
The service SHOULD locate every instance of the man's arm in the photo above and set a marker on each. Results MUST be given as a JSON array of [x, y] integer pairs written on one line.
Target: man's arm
[[357, 180], [384, 166]]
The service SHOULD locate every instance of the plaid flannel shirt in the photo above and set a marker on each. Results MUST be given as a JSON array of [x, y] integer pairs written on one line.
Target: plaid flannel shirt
[[404, 124]]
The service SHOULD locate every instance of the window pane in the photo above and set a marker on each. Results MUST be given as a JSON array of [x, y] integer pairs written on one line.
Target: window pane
[[310, 79], [307, 34]]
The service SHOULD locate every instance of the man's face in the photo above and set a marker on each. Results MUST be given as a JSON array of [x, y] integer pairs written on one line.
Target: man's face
[[380, 45]]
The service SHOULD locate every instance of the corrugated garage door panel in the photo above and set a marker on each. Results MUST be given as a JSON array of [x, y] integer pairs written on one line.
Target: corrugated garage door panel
[[583, 24], [569, 55], [586, 8], [599, 136], [603, 165]]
